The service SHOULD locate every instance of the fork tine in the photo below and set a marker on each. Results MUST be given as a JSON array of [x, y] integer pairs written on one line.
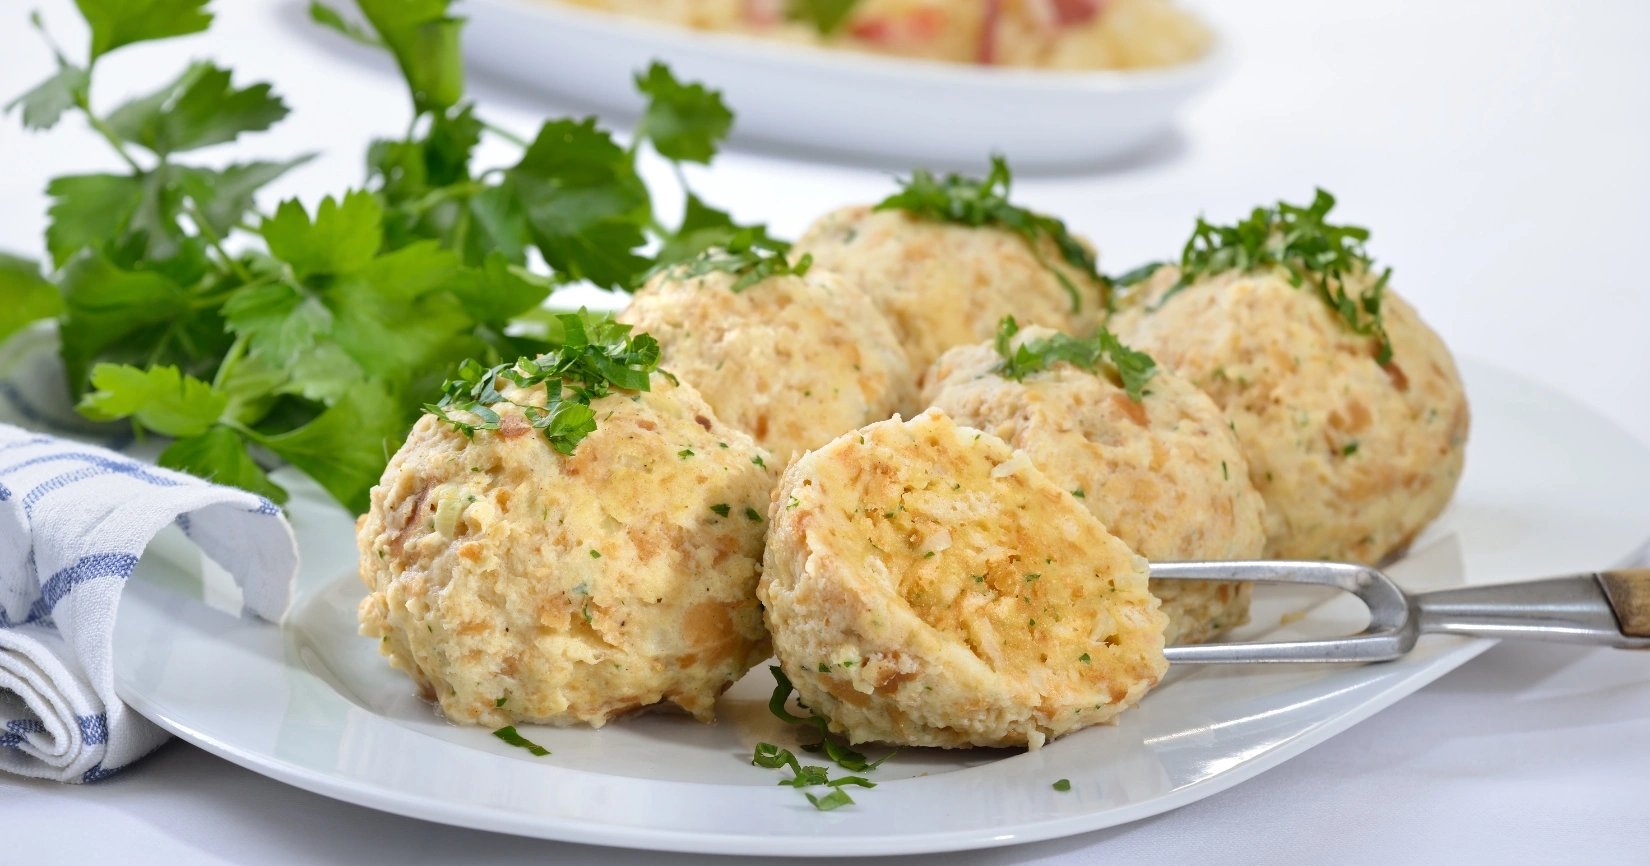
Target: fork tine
[[1390, 633]]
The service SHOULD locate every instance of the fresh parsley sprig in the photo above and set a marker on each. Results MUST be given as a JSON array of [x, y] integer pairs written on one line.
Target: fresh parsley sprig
[[1305, 246], [1134, 368], [750, 255], [979, 203], [590, 361], [315, 336]]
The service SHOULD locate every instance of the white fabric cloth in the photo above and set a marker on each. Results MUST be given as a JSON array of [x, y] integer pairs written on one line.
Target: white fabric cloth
[[74, 519]]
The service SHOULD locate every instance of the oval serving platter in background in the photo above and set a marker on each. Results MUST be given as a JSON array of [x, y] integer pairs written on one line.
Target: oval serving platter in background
[[887, 108]]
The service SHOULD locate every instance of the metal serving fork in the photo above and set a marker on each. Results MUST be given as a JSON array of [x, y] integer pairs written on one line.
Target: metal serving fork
[[1609, 608]]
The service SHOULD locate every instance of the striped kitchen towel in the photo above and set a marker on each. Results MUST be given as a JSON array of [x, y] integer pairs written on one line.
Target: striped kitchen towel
[[73, 521]]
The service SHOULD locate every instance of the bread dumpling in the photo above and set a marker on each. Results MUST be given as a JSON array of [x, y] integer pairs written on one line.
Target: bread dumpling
[[926, 585]]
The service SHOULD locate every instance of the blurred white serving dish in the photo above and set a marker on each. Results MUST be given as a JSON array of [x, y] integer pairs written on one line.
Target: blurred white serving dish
[[912, 112]]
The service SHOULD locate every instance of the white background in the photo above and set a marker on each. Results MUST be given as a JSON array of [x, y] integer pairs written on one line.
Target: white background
[[1500, 151]]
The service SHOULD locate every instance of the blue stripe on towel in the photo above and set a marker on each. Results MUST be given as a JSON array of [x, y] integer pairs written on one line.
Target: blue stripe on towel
[[98, 466], [98, 772], [17, 729], [94, 730], [91, 567], [24, 443]]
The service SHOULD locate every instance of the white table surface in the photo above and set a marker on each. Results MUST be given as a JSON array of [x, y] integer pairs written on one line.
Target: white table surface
[[1499, 150]]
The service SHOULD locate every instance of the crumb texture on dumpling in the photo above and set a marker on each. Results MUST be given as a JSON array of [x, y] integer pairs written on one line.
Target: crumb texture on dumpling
[[926, 585], [794, 361], [1353, 457], [516, 584], [1165, 474], [943, 285]]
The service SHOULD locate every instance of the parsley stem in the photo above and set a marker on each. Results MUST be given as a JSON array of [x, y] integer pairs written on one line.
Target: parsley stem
[[461, 231], [212, 238], [83, 102], [57, 51], [506, 134], [437, 196], [216, 299], [236, 350], [244, 430]]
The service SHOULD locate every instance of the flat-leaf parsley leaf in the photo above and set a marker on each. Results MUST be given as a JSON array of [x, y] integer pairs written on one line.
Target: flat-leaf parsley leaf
[[1133, 368], [586, 366], [979, 203], [1306, 247]]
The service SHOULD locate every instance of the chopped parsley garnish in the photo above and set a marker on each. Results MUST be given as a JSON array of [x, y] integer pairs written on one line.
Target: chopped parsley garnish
[[807, 776], [758, 461], [1134, 368], [721, 509], [846, 758], [771, 756], [1063, 785], [685, 453], [508, 734], [750, 255], [750, 514], [834, 800], [595, 554], [1138, 275], [1299, 241], [500, 701], [1079, 493], [980, 203], [592, 359], [1349, 448], [1084, 658]]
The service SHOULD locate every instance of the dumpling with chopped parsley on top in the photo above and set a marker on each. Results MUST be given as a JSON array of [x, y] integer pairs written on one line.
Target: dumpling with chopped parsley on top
[[946, 259], [1352, 415], [927, 585], [1143, 449], [791, 355], [567, 565]]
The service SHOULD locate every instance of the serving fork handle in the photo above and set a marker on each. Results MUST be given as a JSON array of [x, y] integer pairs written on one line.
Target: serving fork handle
[[1610, 608]]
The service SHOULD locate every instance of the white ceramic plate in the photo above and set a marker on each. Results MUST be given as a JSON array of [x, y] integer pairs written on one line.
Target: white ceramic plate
[[908, 111], [1549, 488]]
